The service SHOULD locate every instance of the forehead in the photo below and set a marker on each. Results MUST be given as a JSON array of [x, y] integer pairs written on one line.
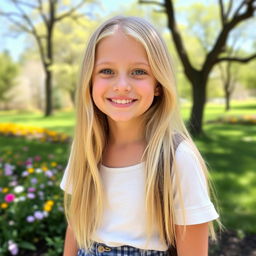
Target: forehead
[[120, 46]]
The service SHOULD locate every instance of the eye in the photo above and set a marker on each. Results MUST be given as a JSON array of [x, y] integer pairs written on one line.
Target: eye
[[139, 72], [106, 71]]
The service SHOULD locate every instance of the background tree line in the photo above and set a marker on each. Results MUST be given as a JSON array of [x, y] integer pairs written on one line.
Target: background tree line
[[216, 32]]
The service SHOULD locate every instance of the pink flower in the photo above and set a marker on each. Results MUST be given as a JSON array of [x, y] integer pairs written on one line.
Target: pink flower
[[9, 198]]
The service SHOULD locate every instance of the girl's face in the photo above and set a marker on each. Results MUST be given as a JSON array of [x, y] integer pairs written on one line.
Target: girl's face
[[123, 86]]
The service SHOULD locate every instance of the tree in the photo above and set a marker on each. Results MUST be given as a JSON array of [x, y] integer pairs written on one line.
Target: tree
[[26, 16], [68, 61], [231, 15], [8, 73]]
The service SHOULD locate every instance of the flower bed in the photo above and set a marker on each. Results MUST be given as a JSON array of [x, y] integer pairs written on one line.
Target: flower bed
[[31, 212], [17, 130], [243, 119]]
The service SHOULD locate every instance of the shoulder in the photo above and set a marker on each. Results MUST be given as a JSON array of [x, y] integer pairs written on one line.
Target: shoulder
[[186, 152], [189, 164]]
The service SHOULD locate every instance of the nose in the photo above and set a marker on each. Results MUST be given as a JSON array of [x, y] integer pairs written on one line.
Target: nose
[[122, 83]]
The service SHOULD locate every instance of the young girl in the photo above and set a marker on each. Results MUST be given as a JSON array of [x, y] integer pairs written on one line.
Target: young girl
[[135, 183]]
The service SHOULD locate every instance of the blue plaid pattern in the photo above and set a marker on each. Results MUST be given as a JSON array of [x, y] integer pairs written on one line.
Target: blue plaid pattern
[[99, 249]]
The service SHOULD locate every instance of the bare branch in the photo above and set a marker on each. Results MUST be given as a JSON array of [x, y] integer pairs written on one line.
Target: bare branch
[[15, 22], [26, 4], [150, 2], [237, 59], [41, 12], [239, 8], [70, 12], [230, 5], [223, 35], [178, 42], [222, 13]]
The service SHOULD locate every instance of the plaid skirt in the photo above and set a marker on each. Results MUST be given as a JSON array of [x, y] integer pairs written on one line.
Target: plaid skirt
[[99, 249]]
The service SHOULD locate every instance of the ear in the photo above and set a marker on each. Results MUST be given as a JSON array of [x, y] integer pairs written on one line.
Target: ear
[[157, 91]]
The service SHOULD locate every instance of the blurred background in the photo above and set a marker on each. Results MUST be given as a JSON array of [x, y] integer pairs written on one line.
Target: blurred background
[[213, 47]]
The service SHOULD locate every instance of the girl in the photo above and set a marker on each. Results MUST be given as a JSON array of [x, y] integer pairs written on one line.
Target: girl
[[135, 183]]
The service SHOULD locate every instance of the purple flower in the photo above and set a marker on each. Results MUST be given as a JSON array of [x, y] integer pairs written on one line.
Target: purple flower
[[29, 162], [24, 174], [49, 173], [42, 186], [31, 190], [13, 248], [8, 169], [13, 183], [31, 195], [30, 219], [39, 215], [33, 180]]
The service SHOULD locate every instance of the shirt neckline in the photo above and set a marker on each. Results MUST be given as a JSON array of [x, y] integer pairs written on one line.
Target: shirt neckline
[[125, 168]]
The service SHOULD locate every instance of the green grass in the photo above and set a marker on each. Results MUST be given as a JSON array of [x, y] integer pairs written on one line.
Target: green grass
[[230, 151]]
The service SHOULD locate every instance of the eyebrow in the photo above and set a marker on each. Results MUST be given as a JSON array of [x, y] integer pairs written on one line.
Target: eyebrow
[[109, 63]]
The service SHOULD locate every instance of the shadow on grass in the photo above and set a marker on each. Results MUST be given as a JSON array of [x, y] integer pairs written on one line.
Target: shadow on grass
[[230, 152]]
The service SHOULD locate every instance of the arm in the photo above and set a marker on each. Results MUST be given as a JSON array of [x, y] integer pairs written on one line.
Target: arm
[[70, 247], [192, 242]]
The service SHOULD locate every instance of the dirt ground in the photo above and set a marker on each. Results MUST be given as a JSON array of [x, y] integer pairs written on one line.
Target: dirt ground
[[232, 243]]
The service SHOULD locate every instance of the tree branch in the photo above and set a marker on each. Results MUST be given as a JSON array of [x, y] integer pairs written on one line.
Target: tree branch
[[230, 5], [237, 59], [41, 12], [222, 14], [9, 15], [223, 35], [70, 12], [178, 42], [26, 4], [240, 7], [150, 2]]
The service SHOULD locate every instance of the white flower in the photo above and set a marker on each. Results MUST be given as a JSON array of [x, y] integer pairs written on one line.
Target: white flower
[[38, 170], [18, 189]]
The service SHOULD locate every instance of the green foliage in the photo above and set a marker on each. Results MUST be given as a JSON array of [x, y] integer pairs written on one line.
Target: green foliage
[[8, 73]]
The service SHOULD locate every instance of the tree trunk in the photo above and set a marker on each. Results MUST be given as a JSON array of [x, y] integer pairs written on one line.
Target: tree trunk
[[227, 99], [199, 98], [48, 92]]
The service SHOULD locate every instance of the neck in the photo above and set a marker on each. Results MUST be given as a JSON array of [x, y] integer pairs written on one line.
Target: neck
[[124, 133]]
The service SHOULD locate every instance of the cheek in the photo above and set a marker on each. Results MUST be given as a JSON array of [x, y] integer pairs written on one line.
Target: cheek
[[98, 90]]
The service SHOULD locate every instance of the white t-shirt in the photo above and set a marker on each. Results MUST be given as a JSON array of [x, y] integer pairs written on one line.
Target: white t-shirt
[[124, 217]]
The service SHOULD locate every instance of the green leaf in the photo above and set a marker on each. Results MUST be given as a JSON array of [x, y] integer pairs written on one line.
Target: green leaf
[[27, 245]]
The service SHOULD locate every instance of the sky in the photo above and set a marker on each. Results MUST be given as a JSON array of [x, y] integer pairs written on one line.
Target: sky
[[16, 45]]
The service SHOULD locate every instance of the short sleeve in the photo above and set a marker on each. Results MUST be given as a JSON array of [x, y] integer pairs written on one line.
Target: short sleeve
[[63, 183], [197, 204]]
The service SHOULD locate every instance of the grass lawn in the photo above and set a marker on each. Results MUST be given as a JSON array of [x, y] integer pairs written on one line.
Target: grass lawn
[[230, 151]]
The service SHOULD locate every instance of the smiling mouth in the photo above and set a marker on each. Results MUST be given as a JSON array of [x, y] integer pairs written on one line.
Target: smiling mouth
[[123, 101]]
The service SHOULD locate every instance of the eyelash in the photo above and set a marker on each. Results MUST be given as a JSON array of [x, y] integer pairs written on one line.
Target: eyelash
[[110, 72]]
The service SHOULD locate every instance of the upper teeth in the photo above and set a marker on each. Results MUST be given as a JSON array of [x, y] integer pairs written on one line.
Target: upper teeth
[[122, 101]]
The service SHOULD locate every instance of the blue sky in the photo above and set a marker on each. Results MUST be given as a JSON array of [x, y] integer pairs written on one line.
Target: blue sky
[[16, 45]]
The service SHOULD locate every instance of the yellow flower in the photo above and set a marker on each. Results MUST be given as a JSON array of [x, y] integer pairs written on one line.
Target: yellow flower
[[4, 205], [44, 168], [53, 164], [5, 190], [31, 170], [50, 202], [47, 208]]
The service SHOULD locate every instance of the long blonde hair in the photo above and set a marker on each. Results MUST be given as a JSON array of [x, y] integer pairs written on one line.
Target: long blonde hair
[[84, 207]]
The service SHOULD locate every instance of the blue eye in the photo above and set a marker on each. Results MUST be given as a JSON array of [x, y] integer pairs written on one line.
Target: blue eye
[[106, 71], [139, 72]]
